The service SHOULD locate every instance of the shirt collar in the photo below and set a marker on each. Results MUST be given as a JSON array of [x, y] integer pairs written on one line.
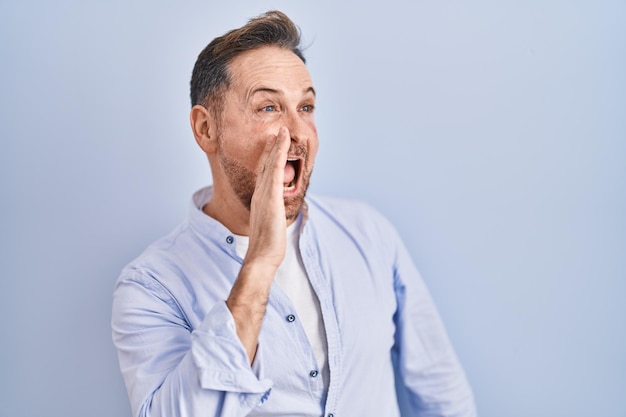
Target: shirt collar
[[206, 227], [214, 232]]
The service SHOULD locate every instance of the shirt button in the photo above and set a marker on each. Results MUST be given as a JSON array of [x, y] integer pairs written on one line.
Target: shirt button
[[313, 374], [265, 396], [230, 239], [291, 318]]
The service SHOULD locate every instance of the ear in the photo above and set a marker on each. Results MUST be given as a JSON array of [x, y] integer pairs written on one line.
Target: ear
[[204, 128]]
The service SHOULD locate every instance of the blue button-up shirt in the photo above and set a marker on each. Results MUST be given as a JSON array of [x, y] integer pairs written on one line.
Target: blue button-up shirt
[[180, 355]]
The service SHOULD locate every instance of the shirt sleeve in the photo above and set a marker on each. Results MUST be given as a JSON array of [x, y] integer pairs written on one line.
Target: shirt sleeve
[[170, 370], [436, 385]]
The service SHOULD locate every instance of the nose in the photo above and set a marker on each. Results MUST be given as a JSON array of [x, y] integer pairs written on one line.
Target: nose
[[298, 128]]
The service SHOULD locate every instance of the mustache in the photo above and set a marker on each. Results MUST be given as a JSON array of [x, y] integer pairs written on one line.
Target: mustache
[[297, 149]]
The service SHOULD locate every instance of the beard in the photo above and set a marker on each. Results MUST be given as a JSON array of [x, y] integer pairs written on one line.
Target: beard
[[243, 180]]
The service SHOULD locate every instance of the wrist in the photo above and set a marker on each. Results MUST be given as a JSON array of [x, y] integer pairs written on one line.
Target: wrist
[[252, 287], [259, 268]]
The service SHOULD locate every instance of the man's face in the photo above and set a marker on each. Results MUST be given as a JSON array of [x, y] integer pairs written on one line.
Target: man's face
[[270, 88]]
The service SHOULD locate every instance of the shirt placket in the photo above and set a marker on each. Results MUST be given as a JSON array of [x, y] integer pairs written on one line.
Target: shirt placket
[[320, 281]]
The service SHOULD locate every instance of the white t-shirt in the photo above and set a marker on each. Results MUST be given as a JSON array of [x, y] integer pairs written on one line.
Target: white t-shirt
[[293, 280]]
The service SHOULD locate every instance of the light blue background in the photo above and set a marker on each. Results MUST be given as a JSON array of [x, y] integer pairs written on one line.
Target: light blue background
[[492, 133]]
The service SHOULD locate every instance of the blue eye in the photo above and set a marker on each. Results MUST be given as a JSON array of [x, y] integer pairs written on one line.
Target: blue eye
[[308, 108], [269, 108]]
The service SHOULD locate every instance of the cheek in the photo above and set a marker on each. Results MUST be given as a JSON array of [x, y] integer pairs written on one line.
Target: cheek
[[313, 142], [247, 138], [312, 154], [258, 134]]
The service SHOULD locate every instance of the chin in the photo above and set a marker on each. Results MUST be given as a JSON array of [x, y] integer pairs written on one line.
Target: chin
[[293, 205]]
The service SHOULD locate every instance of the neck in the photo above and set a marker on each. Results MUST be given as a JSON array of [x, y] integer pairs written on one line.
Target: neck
[[233, 215]]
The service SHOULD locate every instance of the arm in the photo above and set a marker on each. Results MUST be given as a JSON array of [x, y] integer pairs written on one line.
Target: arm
[[434, 379], [248, 298], [171, 371]]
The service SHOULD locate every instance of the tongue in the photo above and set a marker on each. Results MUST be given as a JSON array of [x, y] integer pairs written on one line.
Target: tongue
[[290, 173]]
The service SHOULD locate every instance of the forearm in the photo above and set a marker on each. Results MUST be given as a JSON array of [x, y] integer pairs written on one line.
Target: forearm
[[434, 379], [247, 302]]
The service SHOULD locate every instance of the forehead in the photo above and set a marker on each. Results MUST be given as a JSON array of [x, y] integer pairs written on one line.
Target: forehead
[[269, 65]]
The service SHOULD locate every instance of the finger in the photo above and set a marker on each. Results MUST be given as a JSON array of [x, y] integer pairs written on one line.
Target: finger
[[283, 137], [278, 154], [265, 156], [274, 157]]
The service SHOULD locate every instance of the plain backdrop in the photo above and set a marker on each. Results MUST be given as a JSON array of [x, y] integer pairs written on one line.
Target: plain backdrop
[[492, 134]]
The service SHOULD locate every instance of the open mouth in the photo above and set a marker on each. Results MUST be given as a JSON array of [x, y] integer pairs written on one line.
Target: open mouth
[[293, 168]]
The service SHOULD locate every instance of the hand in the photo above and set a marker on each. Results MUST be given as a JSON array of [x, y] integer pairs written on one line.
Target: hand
[[268, 224], [268, 238]]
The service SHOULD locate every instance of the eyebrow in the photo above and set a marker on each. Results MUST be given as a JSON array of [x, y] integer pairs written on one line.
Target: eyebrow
[[274, 91]]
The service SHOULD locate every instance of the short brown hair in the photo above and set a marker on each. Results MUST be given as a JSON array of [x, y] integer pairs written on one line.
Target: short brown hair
[[211, 78]]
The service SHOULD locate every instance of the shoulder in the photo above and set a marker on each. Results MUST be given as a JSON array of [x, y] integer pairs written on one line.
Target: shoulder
[[343, 207], [347, 210], [356, 218], [159, 259]]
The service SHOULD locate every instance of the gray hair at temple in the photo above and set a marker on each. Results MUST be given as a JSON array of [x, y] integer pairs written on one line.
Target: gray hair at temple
[[211, 78]]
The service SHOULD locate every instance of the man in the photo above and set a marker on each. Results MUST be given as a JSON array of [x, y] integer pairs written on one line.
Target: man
[[264, 303]]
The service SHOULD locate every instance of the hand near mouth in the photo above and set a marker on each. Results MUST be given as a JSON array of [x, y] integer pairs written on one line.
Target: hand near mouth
[[248, 298], [267, 211]]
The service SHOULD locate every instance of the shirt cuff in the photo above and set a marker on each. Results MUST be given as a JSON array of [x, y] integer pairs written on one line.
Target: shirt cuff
[[221, 358]]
